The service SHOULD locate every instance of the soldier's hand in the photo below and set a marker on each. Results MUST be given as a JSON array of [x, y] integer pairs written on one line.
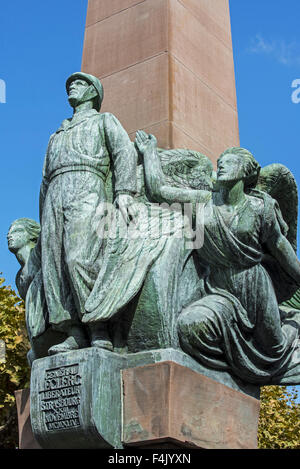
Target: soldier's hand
[[125, 203]]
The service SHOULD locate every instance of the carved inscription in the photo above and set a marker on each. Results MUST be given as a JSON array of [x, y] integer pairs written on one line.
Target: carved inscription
[[60, 399]]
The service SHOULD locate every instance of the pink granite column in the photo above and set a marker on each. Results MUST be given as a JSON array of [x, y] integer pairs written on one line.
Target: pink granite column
[[26, 438], [167, 67], [167, 405]]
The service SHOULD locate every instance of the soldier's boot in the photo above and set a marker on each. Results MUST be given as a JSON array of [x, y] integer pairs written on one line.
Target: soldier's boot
[[100, 336], [76, 340]]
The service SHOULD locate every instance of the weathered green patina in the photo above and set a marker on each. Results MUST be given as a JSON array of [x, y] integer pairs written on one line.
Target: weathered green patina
[[23, 241], [237, 324], [78, 160], [184, 258]]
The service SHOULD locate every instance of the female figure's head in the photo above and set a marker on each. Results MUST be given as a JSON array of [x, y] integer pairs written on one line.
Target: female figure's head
[[23, 232], [237, 164]]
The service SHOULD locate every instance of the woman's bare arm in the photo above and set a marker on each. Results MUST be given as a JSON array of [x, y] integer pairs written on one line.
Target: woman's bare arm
[[155, 179]]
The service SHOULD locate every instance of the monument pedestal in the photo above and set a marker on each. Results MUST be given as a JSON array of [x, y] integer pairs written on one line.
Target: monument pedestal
[[93, 398], [170, 404], [26, 438]]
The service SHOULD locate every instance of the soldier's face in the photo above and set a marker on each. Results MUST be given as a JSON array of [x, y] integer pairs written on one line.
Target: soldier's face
[[77, 90]]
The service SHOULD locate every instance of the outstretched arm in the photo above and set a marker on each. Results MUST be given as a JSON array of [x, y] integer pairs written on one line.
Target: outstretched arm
[[155, 179]]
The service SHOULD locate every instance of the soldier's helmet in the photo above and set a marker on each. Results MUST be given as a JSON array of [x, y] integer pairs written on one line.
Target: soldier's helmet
[[92, 81]]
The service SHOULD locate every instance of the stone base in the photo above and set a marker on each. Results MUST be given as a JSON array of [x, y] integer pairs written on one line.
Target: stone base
[[26, 438], [169, 404], [93, 398]]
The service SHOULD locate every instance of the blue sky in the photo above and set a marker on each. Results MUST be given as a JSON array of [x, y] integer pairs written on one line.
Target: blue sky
[[40, 46], [266, 44]]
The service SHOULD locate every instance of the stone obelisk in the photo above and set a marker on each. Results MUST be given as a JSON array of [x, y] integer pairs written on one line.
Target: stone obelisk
[[167, 68]]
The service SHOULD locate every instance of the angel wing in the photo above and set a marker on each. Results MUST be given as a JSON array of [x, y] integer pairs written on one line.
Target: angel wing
[[182, 168], [187, 168], [278, 181]]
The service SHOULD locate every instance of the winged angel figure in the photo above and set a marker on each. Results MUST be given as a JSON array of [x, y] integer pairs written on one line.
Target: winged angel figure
[[249, 252]]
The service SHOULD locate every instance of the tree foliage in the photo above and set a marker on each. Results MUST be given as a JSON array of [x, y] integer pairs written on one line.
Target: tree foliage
[[279, 422], [14, 369]]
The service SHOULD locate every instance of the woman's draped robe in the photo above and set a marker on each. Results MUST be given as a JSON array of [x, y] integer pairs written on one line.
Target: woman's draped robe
[[237, 325]]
